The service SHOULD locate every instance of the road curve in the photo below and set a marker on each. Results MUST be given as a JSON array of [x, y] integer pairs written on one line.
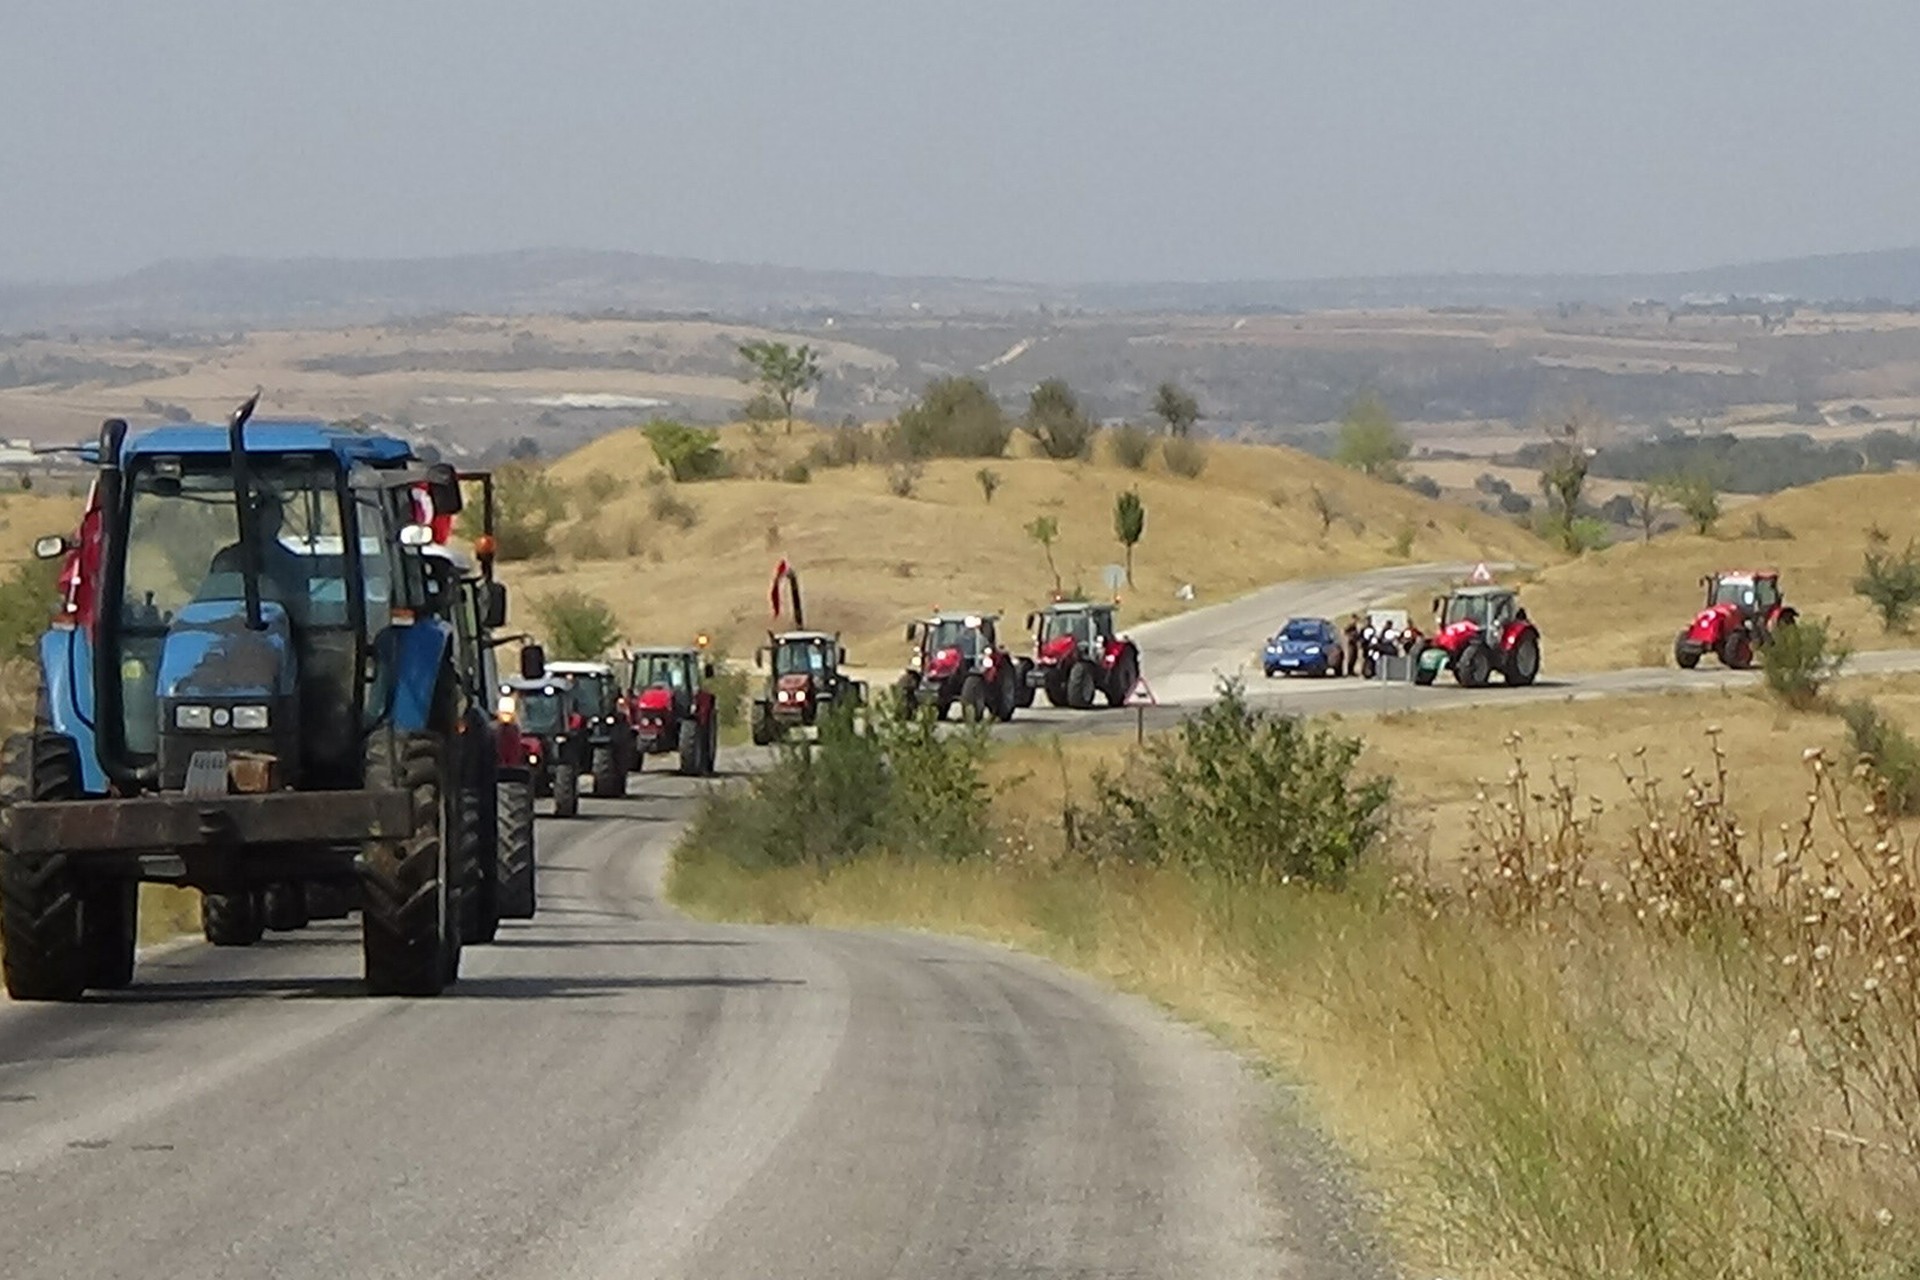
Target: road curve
[[617, 1091]]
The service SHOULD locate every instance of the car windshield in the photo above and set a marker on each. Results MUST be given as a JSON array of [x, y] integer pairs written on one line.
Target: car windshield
[[1304, 629], [540, 712], [799, 658], [954, 633], [1475, 609], [667, 670]]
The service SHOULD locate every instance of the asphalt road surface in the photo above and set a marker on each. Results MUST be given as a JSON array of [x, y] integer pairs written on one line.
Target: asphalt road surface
[[616, 1091]]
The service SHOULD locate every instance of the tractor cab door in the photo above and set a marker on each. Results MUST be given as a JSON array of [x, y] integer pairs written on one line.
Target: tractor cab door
[[1766, 594]]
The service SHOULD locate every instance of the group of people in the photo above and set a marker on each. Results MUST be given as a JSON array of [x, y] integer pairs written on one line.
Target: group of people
[[1366, 644]]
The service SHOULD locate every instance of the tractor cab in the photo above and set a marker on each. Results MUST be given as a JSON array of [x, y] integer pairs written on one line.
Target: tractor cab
[[1483, 608], [946, 642], [1750, 593]]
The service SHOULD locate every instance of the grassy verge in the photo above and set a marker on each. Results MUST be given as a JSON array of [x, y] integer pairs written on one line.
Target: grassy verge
[[167, 912], [1564, 1053]]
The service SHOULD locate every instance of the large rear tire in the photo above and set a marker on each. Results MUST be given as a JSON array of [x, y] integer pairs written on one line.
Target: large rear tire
[[1736, 651], [763, 727], [1082, 686], [518, 895], [1120, 681], [39, 897], [1523, 664], [232, 919], [609, 779], [109, 931], [474, 869], [1474, 667], [692, 749], [409, 933]]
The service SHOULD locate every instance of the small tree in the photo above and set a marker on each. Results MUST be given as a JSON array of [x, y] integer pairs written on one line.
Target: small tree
[[1054, 418], [989, 481], [954, 418], [1698, 497], [1324, 506], [1563, 476], [1891, 584], [1647, 500], [578, 626], [1370, 440], [1129, 522], [1801, 660], [688, 453], [1043, 530], [1132, 445], [1184, 456], [782, 372], [1175, 407]]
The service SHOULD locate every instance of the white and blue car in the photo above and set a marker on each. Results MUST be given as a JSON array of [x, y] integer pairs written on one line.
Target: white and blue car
[[1305, 646]]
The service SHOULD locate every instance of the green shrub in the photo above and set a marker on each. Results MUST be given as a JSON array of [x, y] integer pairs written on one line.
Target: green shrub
[[1891, 584], [1800, 660], [1425, 486], [796, 473], [1184, 456], [28, 597], [1056, 422], [954, 418], [893, 785], [577, 626], [1887, 749], [1132, 445], [669, 507], [603, 486], [688, 453], [903, 478], [1247, 795], [526, 506], [846, 446], [729, 685]]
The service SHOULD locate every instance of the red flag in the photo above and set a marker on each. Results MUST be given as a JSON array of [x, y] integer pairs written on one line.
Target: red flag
[[779, 572]]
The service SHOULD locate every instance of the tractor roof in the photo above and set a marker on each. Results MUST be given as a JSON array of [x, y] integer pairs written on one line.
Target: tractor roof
[[270, 435], [809, 636], [1491, 590], [546, 684], [1746, 575], [967, 619], [1075, 606], [663, 651], [580, 668]]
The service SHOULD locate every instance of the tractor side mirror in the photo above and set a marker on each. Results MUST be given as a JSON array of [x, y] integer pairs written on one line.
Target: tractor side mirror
[[1520, 615], [844, 659], [51, 547], [443, 488], [1436, 604], [759, 657], [706, 669], [1033, 620], [493, 605], [913, 631], [533, 661]]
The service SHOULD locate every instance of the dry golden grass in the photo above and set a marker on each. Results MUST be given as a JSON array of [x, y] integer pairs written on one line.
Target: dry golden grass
[[869, 560]]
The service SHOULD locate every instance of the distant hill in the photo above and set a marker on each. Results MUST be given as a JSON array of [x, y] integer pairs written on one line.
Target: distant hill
[[240, 292]]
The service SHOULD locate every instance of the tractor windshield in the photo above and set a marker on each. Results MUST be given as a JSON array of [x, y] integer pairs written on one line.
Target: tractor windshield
[[954, 633], [1737, 592], [182, 551], [1475, 609], [541, 713], [1078, 624], [664, 670], [799, 658], [595, 694]]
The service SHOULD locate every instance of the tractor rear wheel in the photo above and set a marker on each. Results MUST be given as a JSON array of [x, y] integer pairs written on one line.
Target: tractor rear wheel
[[1082, 685], [973, 699], [1474, 667], [1005, 697], [109, 932], [1736, 651], [283, 907], [710, 752], [609, 779], [1120, 681], [692, 748], [39, 899], [516, 893], [1523, 663], [1023, 682], [232, 919], [409, 932], [566, 790], [474, 873]]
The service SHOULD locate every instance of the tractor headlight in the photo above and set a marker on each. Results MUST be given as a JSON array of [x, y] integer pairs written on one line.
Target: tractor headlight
[[193, 717], [250, 717]]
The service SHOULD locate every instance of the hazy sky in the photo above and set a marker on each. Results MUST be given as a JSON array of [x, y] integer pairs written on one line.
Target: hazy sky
[[1038, 139]]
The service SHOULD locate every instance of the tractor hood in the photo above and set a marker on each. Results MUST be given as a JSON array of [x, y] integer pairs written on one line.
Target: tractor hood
[[655, 698], [944, 662], [211, 653], [1713, 622], [1456, 635], [1058, 649], [798, 681]]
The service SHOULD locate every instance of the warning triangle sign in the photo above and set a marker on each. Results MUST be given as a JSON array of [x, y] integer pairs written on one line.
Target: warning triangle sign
[[1481, 575]]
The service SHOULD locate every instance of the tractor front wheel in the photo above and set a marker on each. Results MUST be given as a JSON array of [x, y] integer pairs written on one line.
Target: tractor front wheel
[[609, 779], [1082, 686], [1057, 687], [566, 790], [1006, 695], [409, 932], [39, 899], [232, 919], [1474, 667], [1736, 651], [284, 907], [516, 892], [1523, 663], [763, 727], [1023, 682], [1686, 654]]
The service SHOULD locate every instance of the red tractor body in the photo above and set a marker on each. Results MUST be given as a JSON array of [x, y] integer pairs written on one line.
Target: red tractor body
[[1077, 655], [958, 661], [1741, 612], [1479, 631], [673, 713]]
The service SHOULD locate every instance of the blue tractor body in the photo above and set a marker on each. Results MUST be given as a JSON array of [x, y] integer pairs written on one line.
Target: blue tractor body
[[247, 689]]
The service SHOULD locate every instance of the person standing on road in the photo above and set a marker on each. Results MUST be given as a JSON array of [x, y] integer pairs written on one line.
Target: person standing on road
[[1353, 645]]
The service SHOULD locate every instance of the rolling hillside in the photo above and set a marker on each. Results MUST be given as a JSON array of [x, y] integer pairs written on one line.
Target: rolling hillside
[[870, 560]]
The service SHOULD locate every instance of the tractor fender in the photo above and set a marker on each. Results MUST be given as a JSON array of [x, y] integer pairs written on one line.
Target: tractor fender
[[420, 652], [1515, 632], [703, 707], [66, 674]]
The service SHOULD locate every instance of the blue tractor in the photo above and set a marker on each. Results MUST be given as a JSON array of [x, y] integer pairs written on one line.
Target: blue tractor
[[250, 687]]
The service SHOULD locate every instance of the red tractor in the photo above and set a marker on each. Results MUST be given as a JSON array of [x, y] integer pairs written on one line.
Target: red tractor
[[958, 661], [1480, 630], [1741, 613], [672, 713], [1077, 655]]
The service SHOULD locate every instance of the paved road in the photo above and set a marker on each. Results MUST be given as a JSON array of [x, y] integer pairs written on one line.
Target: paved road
[[616, 1091]]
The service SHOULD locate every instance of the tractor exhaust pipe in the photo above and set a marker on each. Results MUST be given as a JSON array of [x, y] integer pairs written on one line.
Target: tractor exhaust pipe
[[243, 505]]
